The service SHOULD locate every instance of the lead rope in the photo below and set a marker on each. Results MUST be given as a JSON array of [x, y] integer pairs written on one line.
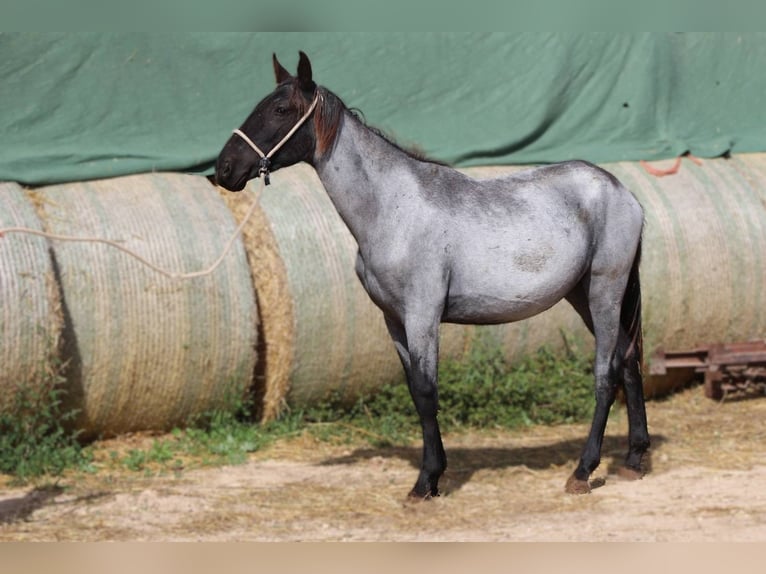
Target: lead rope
[[264, 170], [149, 264]]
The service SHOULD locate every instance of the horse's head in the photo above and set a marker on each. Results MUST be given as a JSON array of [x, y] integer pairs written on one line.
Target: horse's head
[[290, 104]]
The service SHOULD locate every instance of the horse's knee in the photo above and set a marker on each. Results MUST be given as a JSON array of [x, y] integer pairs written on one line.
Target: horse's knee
[[425, 394]]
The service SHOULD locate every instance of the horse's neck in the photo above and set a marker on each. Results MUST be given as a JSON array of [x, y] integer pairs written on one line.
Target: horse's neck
[[357, 174]]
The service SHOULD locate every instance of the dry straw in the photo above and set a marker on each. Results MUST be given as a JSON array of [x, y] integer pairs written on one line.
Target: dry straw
[[275, 304], [30, 318], [147, 351]]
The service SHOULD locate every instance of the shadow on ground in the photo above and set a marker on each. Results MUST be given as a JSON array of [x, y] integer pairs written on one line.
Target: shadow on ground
[[22, 507], [464, 462], [15, 509]]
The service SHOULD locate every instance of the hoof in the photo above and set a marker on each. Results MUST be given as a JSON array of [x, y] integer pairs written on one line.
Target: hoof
[[415, 497], [628, 473], [577, 486]]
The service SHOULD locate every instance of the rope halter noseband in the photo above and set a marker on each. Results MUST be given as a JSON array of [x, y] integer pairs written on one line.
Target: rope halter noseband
[[265, 163]]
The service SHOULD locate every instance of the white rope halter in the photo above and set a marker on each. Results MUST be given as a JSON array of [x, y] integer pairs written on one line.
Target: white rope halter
[[266, 157]]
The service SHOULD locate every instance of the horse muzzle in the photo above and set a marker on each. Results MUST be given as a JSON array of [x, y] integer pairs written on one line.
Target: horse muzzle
[[229, 178]]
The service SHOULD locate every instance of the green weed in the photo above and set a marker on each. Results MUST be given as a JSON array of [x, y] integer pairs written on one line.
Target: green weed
[[223, 436], [541, 389], [480, 391], [33, 439]]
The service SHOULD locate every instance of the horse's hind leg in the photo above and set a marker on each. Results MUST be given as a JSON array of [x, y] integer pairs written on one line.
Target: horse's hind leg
[[418, 348], [638, 433], [603, 317], [627, 367], [630, 349]]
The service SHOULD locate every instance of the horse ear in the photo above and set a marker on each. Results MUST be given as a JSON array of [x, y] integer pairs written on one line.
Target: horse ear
[[279, 72], [304, 73]]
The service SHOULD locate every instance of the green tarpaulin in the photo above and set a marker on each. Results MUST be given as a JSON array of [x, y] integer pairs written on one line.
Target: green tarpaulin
[[80, 106]]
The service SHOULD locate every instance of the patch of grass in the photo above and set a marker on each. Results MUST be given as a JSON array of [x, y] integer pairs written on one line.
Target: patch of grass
[[225, 438], [222, 436], [161, 452], [541, 389], [481, 391], [33, 439]]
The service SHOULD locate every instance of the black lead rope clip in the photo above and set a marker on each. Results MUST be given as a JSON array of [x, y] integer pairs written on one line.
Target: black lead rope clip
[[264, 170]]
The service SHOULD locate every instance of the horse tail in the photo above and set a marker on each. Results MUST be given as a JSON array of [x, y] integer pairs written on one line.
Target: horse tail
[[630, 314]]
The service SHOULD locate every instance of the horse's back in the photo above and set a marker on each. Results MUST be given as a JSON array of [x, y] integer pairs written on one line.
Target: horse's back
[[576, 195]]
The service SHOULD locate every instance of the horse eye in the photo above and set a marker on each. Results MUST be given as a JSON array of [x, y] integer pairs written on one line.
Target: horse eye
[[280, 110]]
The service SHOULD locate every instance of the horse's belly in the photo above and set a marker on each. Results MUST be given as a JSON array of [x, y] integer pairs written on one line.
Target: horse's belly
[[486, 309], [506, 297]]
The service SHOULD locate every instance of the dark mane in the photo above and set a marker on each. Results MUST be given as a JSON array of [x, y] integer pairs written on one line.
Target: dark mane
[[327, 122], [414, 152]]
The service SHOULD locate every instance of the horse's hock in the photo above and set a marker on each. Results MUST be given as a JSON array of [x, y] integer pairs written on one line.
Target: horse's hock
[[145, 351]]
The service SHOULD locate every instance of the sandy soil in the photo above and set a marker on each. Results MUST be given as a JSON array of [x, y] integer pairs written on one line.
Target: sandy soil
[[706, 481]]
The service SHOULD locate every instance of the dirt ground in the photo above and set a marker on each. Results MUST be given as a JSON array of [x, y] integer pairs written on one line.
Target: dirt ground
[[706, 482]]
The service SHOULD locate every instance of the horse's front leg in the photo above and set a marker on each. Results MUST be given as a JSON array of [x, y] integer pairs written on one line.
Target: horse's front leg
[[418, 346]]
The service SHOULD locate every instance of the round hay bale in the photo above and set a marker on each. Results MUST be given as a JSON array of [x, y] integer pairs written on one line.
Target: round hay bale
[[703, 268], [147, 351], [30, 320], [321, 334]]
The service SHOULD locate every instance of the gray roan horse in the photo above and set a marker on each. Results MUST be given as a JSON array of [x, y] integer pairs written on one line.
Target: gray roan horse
[[438, 246]]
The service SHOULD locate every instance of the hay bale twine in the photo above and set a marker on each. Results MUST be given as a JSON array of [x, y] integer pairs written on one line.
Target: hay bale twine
[[147, 351], [30, 320], [321, 335]]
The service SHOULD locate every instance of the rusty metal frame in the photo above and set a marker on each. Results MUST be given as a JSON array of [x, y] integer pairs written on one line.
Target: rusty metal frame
[[727, 368]]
